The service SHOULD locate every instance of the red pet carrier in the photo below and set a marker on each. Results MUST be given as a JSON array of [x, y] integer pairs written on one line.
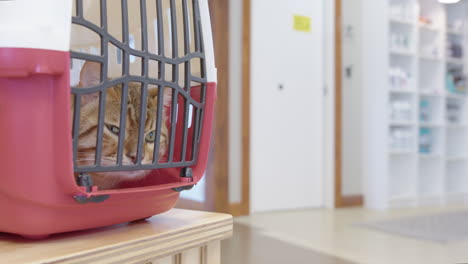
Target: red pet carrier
[[157, 44]]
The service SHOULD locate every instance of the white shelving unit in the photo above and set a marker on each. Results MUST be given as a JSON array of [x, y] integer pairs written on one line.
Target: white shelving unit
[[426, 155]]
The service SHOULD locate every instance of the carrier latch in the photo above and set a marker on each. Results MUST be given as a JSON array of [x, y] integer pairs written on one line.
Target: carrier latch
[[185, 173], [85, 180]]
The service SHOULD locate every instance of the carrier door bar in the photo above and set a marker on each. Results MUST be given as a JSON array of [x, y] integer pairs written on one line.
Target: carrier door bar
[[160, 111], [104, 18], [141, 130], [199, 47], [76, 127], [196, 138], [144, 26], [125, 73], [87, 169], [175, 95], [196, 25], [175, 78], [122, 123], [101, 118], [144, 85], [202, 67], [198, 134], [79, 8], [175, 41], [160, 19], [102, 93], [187, 79], [88, 57]]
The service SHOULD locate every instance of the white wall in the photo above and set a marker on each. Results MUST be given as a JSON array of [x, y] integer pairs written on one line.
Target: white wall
[[235, 101], [287, 125], [329, 107], [374, 39], [353, 98]]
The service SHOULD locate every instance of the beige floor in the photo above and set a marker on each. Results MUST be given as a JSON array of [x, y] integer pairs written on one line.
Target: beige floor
[[333, 237], [249, 245]]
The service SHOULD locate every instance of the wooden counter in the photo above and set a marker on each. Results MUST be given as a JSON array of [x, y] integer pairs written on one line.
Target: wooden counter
[[176, 237]]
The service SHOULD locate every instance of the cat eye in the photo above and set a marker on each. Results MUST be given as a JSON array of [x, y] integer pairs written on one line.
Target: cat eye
[[151, 137], [113, 129]]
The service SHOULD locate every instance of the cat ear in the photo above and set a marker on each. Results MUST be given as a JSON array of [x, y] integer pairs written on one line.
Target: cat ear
[[90, 74], [153, 92], [167, 97]]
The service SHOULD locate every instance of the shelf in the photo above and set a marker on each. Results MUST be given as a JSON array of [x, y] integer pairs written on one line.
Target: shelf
[[402, 21], [402, 52], [402, 91], [431, 93], [430, 156], [430, 58], [402, 123], [430, 28], [430, 124], [458, 33], [457, 158], [455, 96], [456, 126], [427, 155], [455, 61], [401, 152]]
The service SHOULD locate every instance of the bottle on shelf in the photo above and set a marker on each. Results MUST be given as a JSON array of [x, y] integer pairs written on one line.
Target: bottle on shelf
[[454, 49], [456, 81], [401, 139], [399, 41], [400, 79], [453, 112], [425, 141], [425, 110], [400, 110]]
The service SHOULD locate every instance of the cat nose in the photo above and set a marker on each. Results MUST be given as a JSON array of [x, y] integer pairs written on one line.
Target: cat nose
[[133, 156]]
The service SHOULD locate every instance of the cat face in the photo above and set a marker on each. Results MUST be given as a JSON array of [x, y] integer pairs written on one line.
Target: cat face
[[90, 76]]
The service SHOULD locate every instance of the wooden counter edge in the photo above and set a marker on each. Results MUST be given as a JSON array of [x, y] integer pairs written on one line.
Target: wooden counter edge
[[154, 246]]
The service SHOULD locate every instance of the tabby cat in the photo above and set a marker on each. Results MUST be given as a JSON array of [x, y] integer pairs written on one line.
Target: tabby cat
[[89, 77]]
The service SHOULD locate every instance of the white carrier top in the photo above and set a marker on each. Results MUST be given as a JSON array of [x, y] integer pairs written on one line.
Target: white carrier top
[[36, 24], [46, 24]]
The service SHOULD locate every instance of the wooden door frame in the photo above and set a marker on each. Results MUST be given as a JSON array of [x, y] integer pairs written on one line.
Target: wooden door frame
[[340, 200], [244, 207], [217, 174]]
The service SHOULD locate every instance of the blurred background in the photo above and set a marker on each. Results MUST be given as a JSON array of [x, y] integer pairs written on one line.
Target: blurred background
[[341, 131]]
